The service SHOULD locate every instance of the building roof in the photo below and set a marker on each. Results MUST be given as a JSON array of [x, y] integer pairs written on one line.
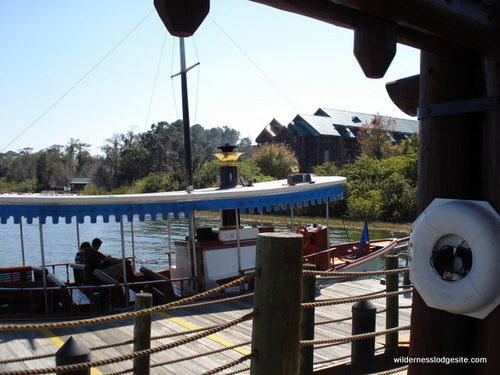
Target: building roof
[[358, 119], [315, 125], [81, 180], [334, 123]]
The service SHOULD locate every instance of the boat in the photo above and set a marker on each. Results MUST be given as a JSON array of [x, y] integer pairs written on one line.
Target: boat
[[206, 258], [360, 256]]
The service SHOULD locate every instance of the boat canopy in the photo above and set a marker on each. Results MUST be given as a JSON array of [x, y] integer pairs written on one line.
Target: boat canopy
[[257, 198]]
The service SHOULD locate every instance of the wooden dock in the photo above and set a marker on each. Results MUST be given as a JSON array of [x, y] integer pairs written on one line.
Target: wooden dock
[[331, 322]]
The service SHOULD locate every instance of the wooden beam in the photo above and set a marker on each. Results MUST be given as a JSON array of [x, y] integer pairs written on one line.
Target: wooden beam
[[404, 93], [463, 22], [433, 26]]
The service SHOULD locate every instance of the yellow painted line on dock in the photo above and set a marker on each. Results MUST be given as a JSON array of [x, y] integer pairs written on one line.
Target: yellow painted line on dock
[[57, 341], [215, 338]]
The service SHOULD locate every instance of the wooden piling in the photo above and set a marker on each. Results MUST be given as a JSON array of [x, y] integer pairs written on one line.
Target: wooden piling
[[392, 314], [142, 332], [364, 317], [278, 289], [307, 321]]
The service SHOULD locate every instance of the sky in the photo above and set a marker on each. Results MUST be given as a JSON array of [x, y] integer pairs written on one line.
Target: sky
[[87, 70]]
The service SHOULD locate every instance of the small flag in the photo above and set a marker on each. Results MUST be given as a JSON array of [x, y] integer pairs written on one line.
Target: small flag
[[364, 239]]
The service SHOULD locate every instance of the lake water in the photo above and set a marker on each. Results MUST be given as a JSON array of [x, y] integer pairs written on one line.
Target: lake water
[[149, 241]]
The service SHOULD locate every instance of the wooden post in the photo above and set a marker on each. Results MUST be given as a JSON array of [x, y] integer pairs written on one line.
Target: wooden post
[[142, 332], [449, 167], [278, 284], [392, 313], [307, 321], [490, 326], [364, 318]]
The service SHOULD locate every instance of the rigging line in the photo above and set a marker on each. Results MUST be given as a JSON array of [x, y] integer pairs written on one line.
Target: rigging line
[[197, 96], [155, 81], [197, 84], [78, 82], [172, 82], [256, 66]]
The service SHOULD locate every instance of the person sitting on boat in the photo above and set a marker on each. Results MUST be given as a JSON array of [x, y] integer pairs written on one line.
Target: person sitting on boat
[[80, 255], [97, 260]]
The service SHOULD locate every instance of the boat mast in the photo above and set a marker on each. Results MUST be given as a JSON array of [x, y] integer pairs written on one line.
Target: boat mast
[[185, 119], [187, 149]]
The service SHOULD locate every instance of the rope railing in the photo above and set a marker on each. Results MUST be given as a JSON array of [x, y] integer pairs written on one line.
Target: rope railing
[[228, 365], [393, 371], [125, 357], [202, 332], [210, 303], [340, 301], [353, 337], [321, 275], [195, 356], [341, 358]]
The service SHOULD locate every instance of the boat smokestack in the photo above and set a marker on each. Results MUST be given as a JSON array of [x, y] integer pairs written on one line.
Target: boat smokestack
[[228, 173], [228, 166]]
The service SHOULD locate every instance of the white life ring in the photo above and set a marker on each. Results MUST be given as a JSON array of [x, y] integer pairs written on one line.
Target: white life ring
[[468, 287]]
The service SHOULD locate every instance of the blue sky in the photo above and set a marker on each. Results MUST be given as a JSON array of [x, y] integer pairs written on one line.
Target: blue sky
[[90, 69]]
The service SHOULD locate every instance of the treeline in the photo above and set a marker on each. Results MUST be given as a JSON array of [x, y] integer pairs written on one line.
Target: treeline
[[130, 163], [381, 184]]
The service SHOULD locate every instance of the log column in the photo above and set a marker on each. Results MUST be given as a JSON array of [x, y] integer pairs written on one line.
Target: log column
[[490, 327], [449, 167]]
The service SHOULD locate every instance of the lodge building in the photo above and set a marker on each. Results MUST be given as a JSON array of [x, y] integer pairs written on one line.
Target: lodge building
[[328, 135]]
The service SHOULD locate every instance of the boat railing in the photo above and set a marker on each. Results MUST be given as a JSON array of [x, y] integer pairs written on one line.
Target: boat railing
[[322, 259], [10, 274], [29, 299], [64, 268], [26, 294]]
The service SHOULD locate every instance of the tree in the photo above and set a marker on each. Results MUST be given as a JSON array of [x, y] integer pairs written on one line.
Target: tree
[[165, 147], [50, 171], [132, 164], [156, 182], [274, 159], [381, 189], [22, 167], [374, 137], [77, 159], [326, 169], [207, 175]]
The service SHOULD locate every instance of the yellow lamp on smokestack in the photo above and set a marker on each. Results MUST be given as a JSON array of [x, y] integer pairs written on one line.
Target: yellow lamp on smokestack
[[228, 166], [228, 170]]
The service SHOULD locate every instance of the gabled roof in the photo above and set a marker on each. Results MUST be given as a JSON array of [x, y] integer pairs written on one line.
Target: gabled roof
[[275, 126], [314, 125], [349, 118], [271, 130], [334, 123]]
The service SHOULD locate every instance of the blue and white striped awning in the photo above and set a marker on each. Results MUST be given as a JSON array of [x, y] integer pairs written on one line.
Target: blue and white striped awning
[[264, 196]]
